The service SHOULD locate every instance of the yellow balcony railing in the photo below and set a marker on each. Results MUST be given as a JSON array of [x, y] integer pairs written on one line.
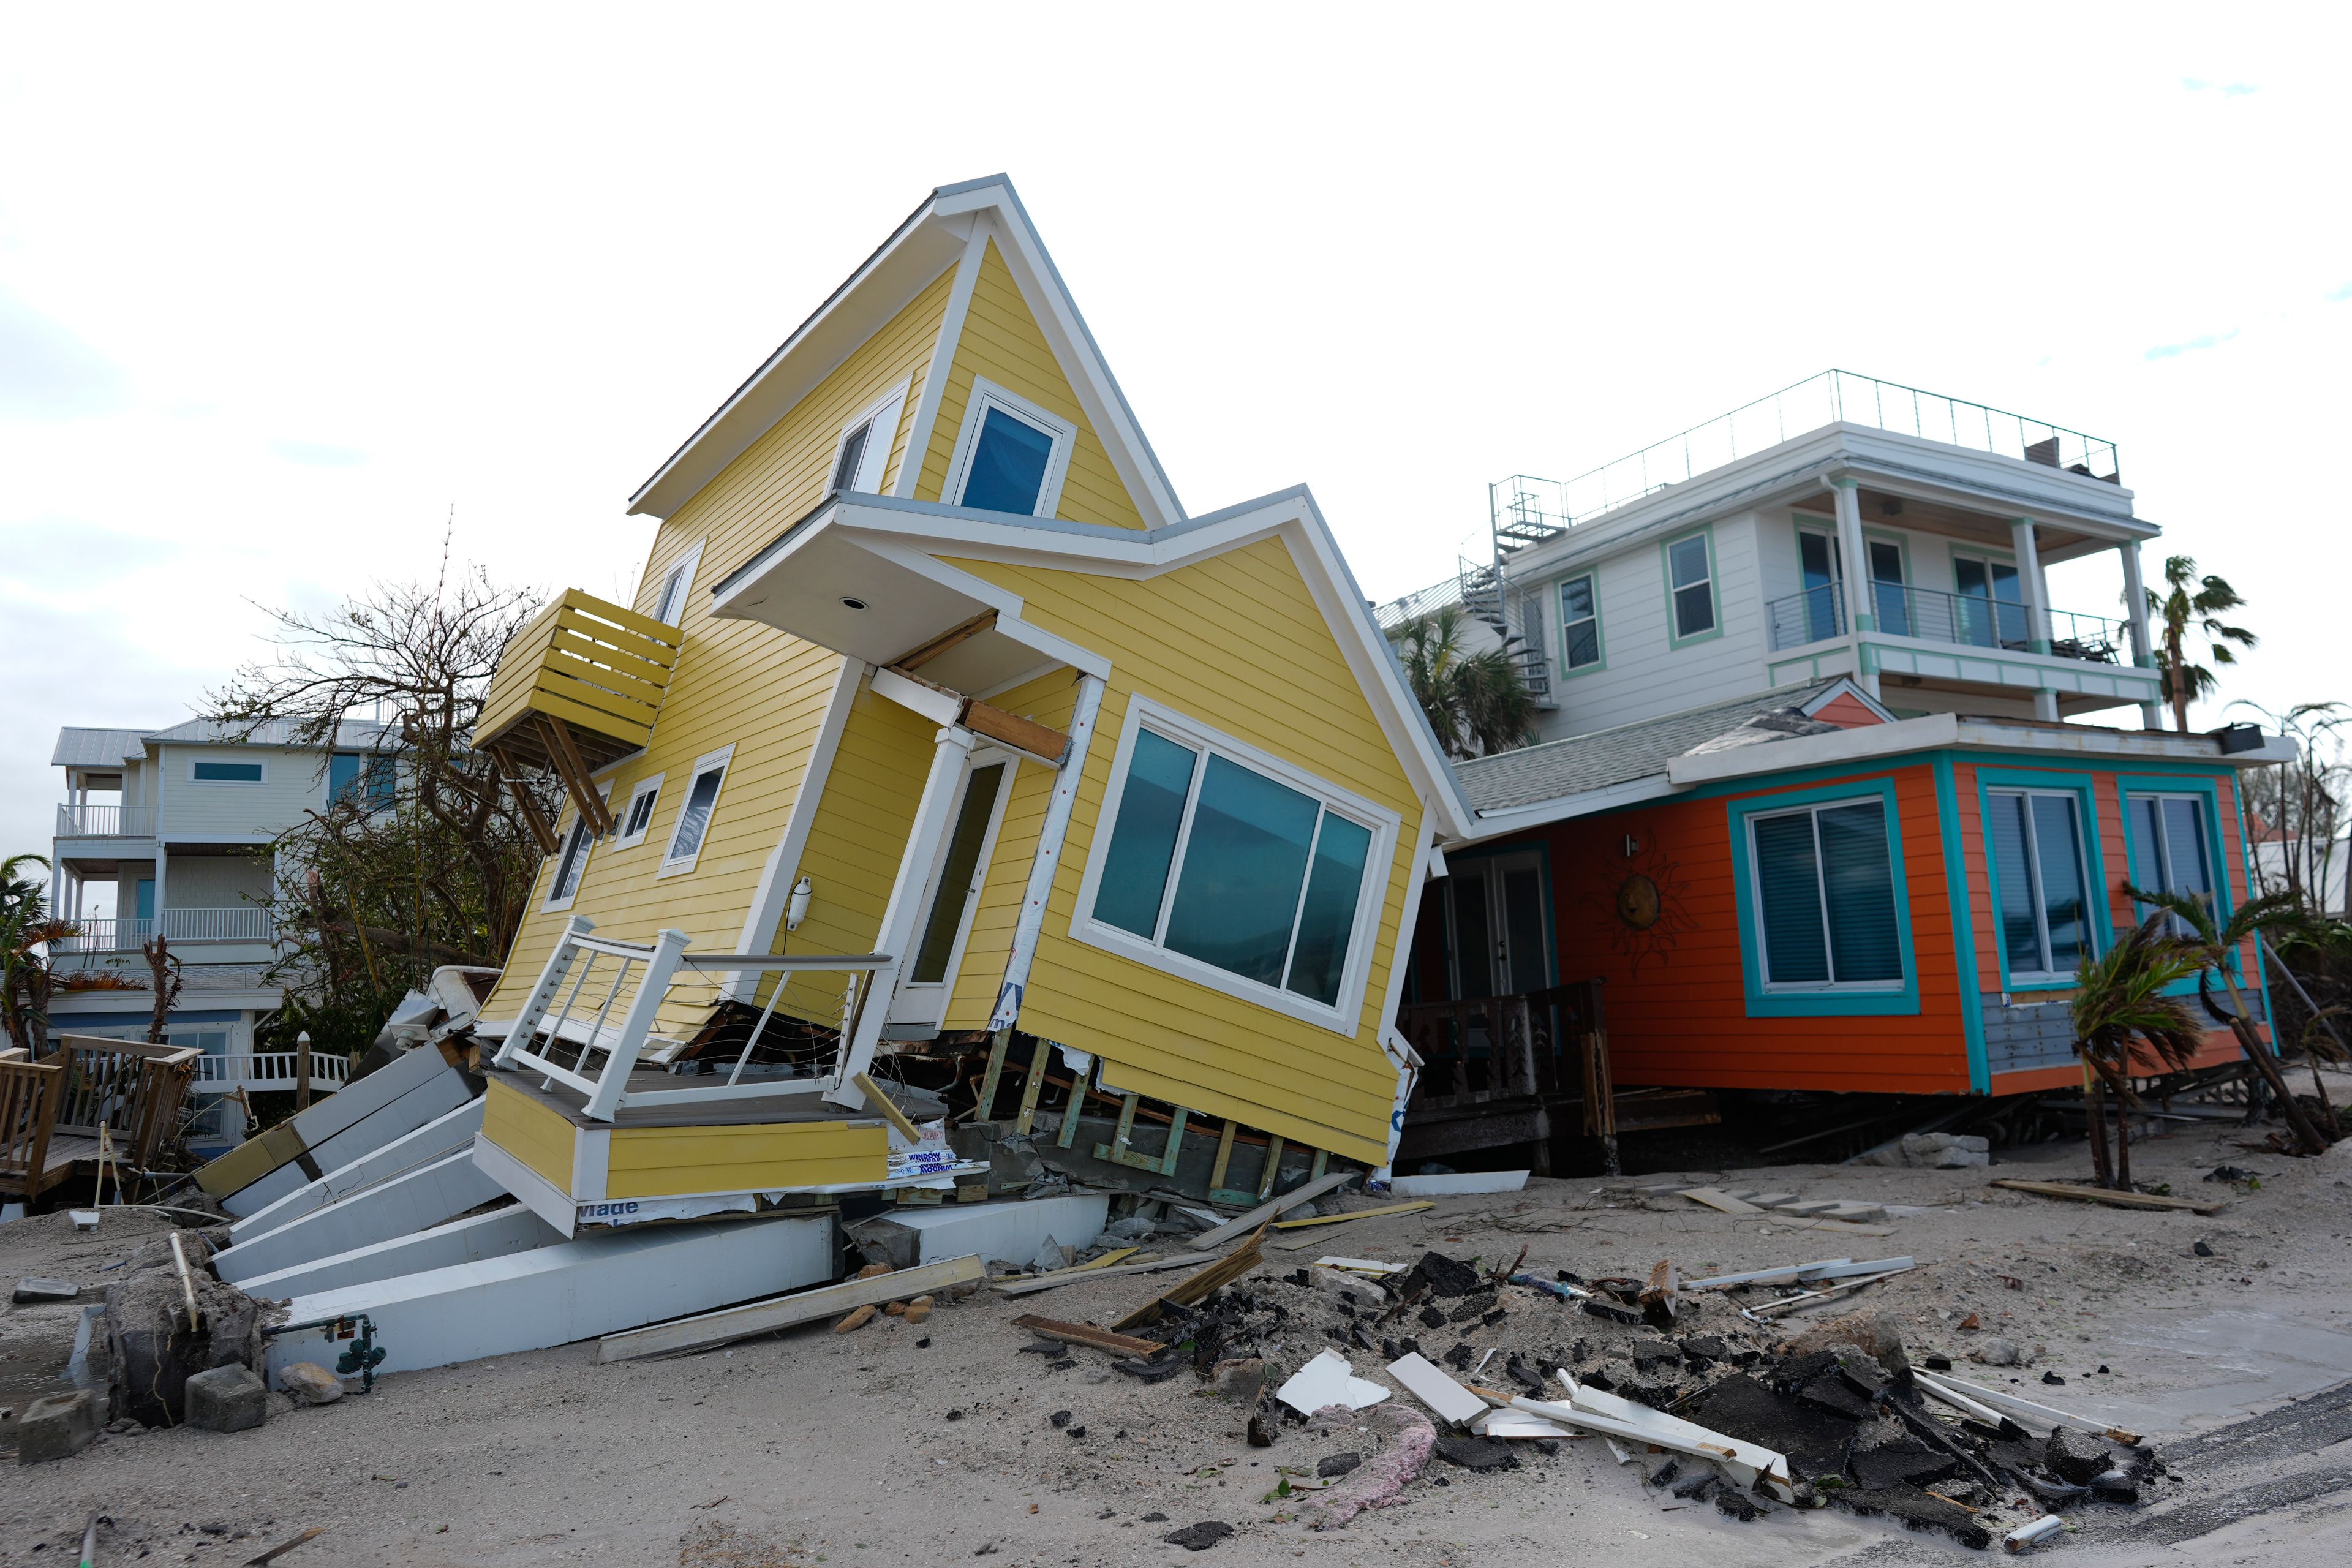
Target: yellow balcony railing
[[577, 687]]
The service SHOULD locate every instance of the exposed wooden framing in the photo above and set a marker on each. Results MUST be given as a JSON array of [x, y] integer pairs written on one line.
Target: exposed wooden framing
[[527, 803], [1029, 1090], [1414, 1208], [998, 1044], [1225, 1157], [1175, 1141], [1068, 1136], [890, 1112], [1322, 1162], [1037, 740], [573, 770], [915, 659], [1273, 1168], [1081, 1276], [1266, 1211], [1116, 1150]]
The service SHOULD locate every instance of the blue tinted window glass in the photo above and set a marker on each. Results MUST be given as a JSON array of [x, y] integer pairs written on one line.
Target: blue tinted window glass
[[2064, 906], [1143, 841], [1008, 465], [342, 771], [1788, 881], [228, 772], [1328, 917], [1858, 883], [2021, 937], [1237, 892], [694, 820]]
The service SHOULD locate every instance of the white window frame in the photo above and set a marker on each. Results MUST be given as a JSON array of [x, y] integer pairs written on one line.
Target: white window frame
[[1676, 636], [884, 413], [261, 783], [625, 839], [2033, 872], [1765, 983], [1371, 898], [721, 761], [986, 394], [681, 576], [555, 861]]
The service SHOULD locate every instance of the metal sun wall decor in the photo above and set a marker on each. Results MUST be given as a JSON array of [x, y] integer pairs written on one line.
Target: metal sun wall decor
[[1637, 893]]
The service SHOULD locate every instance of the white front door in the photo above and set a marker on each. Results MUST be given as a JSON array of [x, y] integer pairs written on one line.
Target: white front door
[[952, 895]]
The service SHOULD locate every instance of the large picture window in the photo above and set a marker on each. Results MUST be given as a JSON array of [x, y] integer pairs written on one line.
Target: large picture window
[[2042, 892], [1823, 881], [1227, 865]]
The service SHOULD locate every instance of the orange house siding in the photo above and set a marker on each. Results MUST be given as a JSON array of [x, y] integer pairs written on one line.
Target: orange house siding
[[1676, 995]]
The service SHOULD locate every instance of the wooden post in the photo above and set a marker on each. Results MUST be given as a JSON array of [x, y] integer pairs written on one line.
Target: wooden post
[[302, 1071]]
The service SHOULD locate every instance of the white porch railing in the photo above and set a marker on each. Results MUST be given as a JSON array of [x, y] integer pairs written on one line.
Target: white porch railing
[[566, 1030], [122, 933], [269, 1072], [87, 821]]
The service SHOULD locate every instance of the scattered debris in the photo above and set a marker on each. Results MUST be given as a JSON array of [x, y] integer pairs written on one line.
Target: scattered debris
[[2026, 1537], [30, 1291], [309, 1384], [1327, 1381], [1199, 1537], [1381, 1479]]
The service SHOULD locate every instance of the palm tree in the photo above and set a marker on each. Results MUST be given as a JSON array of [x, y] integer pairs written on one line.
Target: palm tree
[[2214, 945], [2200, 602], [1477, 703], [2120, 1001], [28, 933]]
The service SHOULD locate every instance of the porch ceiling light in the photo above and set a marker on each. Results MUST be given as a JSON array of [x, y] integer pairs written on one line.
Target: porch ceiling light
[[853, 602]]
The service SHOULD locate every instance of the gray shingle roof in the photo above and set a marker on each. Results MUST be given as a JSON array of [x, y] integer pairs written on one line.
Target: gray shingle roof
[[1604, 757]]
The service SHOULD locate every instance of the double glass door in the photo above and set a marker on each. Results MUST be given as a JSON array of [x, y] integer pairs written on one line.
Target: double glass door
[[1496, 937], [1820, 563]]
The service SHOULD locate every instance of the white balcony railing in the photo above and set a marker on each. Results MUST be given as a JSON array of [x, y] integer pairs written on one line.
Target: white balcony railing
[[105, 821], [269, 1072], [112, 933]]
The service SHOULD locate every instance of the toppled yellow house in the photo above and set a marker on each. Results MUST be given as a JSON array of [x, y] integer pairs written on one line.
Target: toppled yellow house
[[940, 744]]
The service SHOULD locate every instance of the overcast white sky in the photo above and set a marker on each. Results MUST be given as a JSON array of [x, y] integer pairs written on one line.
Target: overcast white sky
[[279, 289]]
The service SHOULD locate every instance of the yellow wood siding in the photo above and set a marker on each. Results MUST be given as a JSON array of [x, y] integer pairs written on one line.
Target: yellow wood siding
[[855, 842], [1001, 341], [664, 1162], [536, 1133], [735, 682], [1286, 688]]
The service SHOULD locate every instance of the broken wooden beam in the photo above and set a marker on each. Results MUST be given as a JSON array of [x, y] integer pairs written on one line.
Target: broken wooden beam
[[1087, 1334], [1244, 1223], [1045, 744], [730, 1323], [2114, 1199], [1032, 1284], [1359, 1213], [1186, 1292]]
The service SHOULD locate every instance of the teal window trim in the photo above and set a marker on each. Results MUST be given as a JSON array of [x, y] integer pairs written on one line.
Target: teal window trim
[[2099, 894], [1876, 1001], [1599, 632], [1964, 925], [1714, 585], [2205, 789], [2261, 970]]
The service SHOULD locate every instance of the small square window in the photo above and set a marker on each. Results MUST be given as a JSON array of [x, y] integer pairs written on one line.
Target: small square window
[[365, 779], [639, 814], [1011, 456]]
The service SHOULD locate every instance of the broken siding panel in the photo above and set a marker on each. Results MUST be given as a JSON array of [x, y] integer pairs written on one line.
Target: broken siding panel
[[1288, 691], [667, 1162], [1001, 341], [736, 682]]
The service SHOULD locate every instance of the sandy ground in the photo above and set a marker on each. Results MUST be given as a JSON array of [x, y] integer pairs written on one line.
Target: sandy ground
[[897, 1444]]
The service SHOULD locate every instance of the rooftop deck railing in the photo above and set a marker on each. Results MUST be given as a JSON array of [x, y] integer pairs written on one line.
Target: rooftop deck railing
[[88, 821], [1524, 509], [1819, 614]]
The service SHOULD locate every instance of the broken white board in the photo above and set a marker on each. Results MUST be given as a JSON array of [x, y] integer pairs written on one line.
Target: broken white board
[[1012, 1230], [1519, 1424], [1326, 1381], [1360, 1264], [415, 1200], [1427, 1382], [467, 1240], [1459, 1184], [445, 1134]]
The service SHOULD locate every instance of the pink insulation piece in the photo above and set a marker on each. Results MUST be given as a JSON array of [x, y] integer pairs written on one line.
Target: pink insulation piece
[[1380, 1480]]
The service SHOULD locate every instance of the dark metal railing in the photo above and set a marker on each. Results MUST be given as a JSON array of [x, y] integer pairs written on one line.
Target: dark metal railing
[[1898, 610]]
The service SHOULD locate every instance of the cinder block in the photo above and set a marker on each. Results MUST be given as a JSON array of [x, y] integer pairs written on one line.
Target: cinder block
[[60, 1424], [226, 1399]]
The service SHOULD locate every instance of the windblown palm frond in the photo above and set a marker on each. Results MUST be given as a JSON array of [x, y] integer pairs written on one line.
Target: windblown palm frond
[[2120, 997]]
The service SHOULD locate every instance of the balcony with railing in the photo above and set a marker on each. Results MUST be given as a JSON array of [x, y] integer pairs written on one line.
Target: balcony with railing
[[577, 687], [1524, 509], [110, 933], [1819, 614], [84, 820]]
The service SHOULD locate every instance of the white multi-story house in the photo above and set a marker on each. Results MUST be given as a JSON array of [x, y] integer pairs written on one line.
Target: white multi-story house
[[170, 831], [1716, 564]]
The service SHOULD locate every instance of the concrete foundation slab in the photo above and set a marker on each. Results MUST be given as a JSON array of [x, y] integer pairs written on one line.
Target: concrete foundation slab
[[572, 1290], [1012, 1231], [469, 1240], [414, 1200], [445, 1134]]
